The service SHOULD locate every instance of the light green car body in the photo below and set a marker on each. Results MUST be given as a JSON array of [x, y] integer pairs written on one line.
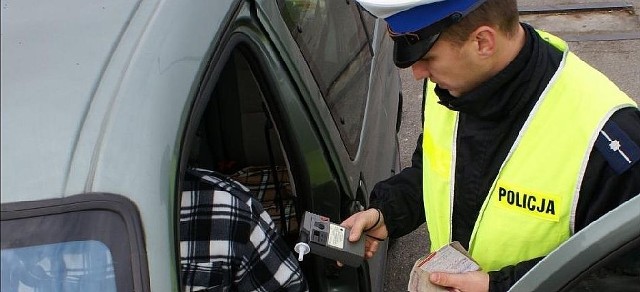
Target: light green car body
[[97, 97]]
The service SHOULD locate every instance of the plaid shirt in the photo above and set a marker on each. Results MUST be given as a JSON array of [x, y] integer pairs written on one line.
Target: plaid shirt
[[228, 242]]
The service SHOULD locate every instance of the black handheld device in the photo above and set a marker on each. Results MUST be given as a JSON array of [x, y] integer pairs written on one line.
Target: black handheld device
[[320, 236]]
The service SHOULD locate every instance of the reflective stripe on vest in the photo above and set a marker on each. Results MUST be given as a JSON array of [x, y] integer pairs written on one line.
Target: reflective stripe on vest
[[530, 207]]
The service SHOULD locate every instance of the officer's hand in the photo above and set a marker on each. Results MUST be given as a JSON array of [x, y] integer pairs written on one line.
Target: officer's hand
[[477, 281], [367, 220]]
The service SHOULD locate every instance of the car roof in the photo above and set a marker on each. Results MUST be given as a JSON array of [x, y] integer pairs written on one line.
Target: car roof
[[53, 58]]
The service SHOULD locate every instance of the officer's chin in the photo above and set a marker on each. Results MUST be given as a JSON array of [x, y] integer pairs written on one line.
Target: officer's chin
[[455, 93]]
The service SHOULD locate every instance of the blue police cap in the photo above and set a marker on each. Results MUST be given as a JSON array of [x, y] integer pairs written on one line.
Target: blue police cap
[[415, 25]]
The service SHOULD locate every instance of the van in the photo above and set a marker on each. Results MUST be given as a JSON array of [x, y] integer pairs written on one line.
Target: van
[[105, 105]]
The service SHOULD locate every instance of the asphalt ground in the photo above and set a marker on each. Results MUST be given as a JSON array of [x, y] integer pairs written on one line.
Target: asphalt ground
[[608, 40]]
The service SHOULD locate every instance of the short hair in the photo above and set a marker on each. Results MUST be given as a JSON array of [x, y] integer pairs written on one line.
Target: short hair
[[500, 14]]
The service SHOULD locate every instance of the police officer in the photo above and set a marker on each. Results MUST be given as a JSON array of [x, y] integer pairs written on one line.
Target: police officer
[[523, 143]]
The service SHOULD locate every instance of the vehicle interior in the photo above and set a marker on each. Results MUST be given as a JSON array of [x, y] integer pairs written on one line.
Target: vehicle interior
[[238, 134], [237, 137]]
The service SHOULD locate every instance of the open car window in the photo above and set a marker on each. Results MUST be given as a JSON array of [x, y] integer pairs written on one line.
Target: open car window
[[89, 242]]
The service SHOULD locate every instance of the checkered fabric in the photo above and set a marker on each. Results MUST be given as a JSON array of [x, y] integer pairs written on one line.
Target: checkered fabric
[[261, 183], [228, 242]]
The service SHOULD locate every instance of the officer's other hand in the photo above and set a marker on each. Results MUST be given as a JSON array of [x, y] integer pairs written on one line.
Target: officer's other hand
[[477, 281], [376, 230]]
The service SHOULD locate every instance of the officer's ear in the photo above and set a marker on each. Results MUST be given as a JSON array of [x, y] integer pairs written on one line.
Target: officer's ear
[[484, 40]]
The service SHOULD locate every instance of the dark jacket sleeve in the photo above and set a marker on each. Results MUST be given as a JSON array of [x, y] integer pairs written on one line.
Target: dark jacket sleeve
[[503, 279], [603, 189], [399, 198]]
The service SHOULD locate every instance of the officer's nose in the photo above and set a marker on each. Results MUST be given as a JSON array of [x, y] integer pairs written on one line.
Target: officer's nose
[[420, 70]]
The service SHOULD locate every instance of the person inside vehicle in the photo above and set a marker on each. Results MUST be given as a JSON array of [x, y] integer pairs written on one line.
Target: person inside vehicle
[[523, 143], [228, 242]]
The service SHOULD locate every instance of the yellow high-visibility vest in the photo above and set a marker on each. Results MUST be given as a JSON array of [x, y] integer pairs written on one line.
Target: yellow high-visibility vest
[[530, 207]]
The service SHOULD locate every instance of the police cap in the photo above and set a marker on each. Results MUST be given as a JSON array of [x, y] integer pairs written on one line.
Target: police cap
[[415, 25]]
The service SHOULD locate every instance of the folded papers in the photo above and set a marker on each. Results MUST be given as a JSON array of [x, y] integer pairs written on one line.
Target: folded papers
[[451, 258]]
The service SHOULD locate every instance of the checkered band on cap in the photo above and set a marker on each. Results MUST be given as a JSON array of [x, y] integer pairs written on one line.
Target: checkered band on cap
[[386, 8]]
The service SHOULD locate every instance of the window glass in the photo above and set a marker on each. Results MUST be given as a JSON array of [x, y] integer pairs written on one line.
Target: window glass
[[618, 272], [79, 243], [369, 22], [66, 266], [333, 40]]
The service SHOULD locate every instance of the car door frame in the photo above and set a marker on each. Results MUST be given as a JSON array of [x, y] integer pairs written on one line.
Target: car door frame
[[312, 170]]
